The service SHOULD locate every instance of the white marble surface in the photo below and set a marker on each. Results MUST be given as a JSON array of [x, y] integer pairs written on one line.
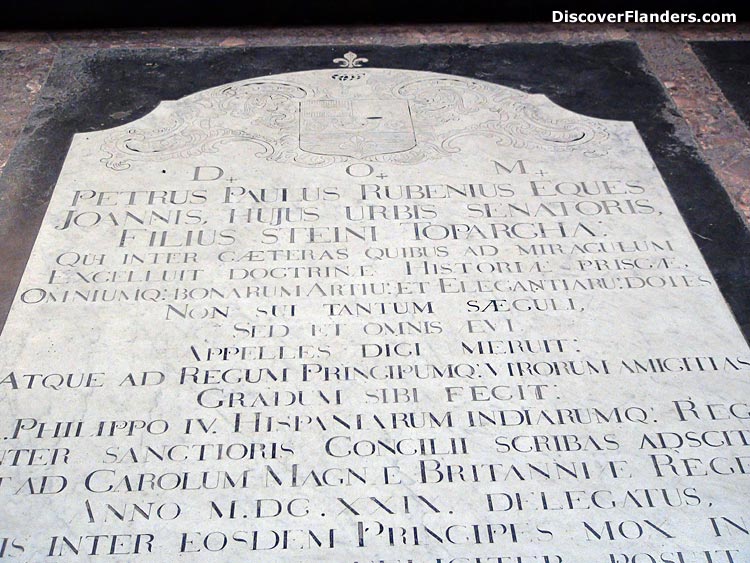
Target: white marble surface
[[364, 315]]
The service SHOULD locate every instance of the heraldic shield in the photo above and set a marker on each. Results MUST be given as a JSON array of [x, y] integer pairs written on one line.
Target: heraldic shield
[[356, 128]]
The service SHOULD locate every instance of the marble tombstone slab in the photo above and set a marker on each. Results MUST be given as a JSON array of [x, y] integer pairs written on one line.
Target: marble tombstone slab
[[364, 314]]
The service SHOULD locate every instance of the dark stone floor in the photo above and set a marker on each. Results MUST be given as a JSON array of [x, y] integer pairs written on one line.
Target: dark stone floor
[[728, 62]]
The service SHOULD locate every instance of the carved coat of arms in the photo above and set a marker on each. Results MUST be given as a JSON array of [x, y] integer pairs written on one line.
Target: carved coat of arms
[[355, 128], [316, 118]]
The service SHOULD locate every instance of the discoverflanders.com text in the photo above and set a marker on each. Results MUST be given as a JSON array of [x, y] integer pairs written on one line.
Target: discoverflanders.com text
[[634, 16]]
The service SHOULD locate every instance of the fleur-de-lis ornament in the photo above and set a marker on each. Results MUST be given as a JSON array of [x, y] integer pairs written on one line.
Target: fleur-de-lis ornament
[[350, 60]]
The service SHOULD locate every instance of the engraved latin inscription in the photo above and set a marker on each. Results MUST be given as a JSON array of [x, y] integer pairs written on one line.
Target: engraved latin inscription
[[370, 315]]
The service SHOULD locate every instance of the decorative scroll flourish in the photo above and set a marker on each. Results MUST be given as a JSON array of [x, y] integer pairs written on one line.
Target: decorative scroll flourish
[[264, 113], [509, 117], [316, 118]]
